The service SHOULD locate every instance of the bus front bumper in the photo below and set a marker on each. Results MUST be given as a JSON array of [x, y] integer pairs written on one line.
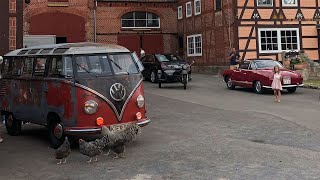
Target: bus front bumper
[[74, 131]]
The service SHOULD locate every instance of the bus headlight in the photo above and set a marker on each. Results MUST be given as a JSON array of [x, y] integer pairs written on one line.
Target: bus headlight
[[90, 107], [140, 101]]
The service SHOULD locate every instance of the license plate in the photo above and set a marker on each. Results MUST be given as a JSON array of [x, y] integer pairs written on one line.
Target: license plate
[[119, 127], [287, 80]]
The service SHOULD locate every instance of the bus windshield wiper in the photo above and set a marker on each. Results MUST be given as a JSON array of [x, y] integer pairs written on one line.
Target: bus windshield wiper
[[91, 73], [118, 66]]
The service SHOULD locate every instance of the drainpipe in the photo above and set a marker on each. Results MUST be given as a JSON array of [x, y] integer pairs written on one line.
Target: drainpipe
[[95, 20]]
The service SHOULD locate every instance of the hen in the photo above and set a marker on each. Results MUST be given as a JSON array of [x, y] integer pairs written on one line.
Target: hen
[[63, 151], [91, 149], [115, 141]]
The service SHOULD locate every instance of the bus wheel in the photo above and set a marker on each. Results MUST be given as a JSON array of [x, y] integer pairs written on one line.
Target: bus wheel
[[13, 125], [56, 133]]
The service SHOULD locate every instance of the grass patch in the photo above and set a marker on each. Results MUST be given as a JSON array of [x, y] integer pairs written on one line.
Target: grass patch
[[312, 82]]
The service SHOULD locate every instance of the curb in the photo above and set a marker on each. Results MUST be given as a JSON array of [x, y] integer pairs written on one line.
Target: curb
[[311, 87]]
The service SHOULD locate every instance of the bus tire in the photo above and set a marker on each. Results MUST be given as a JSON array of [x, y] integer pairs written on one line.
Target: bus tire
[[13, 125], [56, 133]]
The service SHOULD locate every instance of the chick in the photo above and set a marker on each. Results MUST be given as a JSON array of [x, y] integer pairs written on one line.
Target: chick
[[63, 151], [91, 149]]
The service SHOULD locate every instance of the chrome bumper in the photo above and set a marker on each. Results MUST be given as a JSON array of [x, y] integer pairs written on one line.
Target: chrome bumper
[[285, 86], [97, 130]]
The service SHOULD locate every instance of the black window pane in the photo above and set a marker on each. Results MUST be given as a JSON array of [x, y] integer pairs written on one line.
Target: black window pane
[[275, 47], [263, 40], [152, 16], [268, 40], [153, 23], [274, 33], [294, 33], [128, 16], [127, 23], [283, 33], [283, 40], [295, 46], [268, 33], [288, 33], [274, 40], [263, 34], [294, 40], [283, 46], [288, 39], [140, 15], [218, 5], [140, 23]]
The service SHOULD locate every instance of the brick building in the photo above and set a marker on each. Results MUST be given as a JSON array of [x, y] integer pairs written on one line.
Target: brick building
[[11, 25], [200, 30], [206, 30], [149, 25]]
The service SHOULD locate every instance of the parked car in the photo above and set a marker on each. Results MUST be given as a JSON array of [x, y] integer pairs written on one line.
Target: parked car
[[170, 65], [258, 74]]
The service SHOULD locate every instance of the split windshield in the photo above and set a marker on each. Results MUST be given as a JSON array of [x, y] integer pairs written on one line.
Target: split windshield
[[104, 65]]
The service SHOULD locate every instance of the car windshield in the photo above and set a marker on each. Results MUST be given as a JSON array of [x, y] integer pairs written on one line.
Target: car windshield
[[162, 58], [173, 58], [262, 64]]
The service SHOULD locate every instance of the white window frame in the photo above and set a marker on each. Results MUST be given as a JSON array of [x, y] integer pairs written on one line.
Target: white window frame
[[194, 45], [188, 4], [289, 5], [278, 39], [137, 27], [195, 7], [265, 5], [180, 13]]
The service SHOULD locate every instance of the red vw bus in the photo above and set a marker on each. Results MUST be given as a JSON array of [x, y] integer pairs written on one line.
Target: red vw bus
[[73, 89]]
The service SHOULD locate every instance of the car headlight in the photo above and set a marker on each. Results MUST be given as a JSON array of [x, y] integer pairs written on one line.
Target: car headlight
[[90, 107], [140, 101]]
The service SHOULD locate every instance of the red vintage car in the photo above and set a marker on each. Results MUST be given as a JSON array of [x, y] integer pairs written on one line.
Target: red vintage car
[[258, 74]]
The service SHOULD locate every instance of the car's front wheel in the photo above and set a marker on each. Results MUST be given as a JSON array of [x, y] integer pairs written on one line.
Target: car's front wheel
[[257, 87], [229, 83], [153, 77], [292, 90]]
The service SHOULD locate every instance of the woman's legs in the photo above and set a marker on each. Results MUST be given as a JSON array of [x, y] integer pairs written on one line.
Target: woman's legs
[[279, 95], [275, 95]]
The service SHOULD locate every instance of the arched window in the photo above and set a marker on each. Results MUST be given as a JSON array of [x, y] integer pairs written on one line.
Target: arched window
[[140, 20]]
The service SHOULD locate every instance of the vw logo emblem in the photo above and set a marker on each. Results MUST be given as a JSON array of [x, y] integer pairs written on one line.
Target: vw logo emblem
[[118, 92]]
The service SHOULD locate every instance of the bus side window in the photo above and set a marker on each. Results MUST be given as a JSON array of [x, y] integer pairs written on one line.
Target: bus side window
[[18, 66], [28, 66], [40, 66], [55, 67], [67, 66]]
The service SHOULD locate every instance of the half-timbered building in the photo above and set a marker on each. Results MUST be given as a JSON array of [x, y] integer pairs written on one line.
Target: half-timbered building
[[267, 28]]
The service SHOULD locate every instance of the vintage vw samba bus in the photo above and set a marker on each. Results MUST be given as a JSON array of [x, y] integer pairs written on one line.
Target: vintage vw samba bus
[[73, 89]]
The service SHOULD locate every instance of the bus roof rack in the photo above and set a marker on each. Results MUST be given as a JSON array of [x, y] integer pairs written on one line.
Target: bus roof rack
[[68, 49]]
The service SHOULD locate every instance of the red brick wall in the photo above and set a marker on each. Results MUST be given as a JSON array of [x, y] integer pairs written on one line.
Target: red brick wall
[[109, 23], [80, 8], [214, 29]]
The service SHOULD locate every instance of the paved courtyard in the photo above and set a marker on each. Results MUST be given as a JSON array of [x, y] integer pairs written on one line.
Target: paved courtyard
[[204, 132]]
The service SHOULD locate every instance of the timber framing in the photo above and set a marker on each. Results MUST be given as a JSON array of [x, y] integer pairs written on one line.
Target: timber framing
[[250, 18]]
